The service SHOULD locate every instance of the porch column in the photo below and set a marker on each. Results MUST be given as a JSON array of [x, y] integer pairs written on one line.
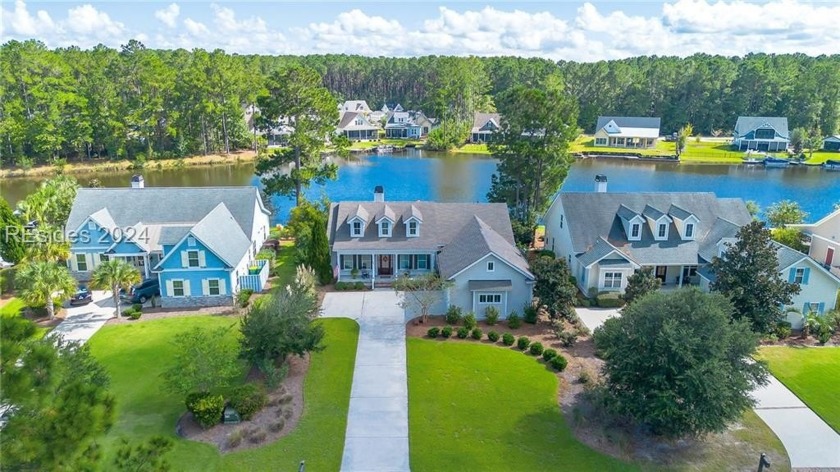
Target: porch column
[[680, 279], [373, 270], [146, 264]]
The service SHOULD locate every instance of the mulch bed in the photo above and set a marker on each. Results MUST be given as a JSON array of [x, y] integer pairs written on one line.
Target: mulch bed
[[277, 419], [160, 313], [797, 340]]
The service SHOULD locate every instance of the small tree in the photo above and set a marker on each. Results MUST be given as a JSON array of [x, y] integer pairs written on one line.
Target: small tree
[[790, 237], [641, 283], [114, 275], [205, 361], [748, 273], [420, 294], [785, 212], [554, 286], [319, 253], [12, 248], [682, 138], [679, 363], [40, 283], [148, 456]]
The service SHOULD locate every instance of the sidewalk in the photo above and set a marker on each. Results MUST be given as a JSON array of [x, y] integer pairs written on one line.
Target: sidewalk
[[377, 421], [809, 441]]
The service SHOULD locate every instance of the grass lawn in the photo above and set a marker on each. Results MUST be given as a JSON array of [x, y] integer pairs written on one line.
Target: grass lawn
[[284, 264], [136, 354], [472, 149], [813, 374], [391, 141], [475, 407], [12, 307], [820, 157], [585, 143]]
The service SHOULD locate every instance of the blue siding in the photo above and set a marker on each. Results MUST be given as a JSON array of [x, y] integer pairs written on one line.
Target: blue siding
[[89, 240], [174, 261], [127, 247], [195, 278]]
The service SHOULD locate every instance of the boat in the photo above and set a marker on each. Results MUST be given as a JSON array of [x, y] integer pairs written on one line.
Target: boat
[[752, 162], [831, 165], [775, 162]]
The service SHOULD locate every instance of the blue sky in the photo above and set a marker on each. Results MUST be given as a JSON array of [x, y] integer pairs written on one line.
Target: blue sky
[[585, 31]]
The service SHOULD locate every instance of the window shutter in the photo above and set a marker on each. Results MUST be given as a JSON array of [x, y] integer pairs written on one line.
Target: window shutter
[[205, 287], [822, 307], [187, 291], [805, 276], [792, 274], [185, 261], [222, 289], [806, 309], [169, 289], [73, 265], [202, 259]]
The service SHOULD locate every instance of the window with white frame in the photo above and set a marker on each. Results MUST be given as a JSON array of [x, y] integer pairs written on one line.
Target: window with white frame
[[490, 298], [491, 266], [192, 259], [356, 261], [356, 229], [384, 229], [413, 261], [178, 288], [635, 230], [663, 228], [689, 230], [412, 228], [813, 307], [612, 280], [81, 262], [799, 275], [213, 287], [600, 141]]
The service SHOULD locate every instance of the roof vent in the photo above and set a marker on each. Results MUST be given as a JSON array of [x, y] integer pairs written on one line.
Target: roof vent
[[137, 181], [379, 194], [601, 183]]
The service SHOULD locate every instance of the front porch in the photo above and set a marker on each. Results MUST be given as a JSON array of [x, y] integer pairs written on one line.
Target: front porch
[[379, 269], [632, 143], [614, 277], [257, 276]]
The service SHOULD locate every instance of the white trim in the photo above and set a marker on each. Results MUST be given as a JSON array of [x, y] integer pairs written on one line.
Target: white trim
[[813, 263], [380, 224], [614, 251], [527, 275], [205, 245], [192, 269], [491, 266]]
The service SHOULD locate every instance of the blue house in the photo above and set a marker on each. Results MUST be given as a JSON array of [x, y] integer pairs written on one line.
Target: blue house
[[200, 243], [761, 133]]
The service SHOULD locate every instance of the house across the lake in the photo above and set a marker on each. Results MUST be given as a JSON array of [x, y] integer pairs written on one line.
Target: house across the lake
[[832, 143], [357, 106], [356, 127], [635, 132], [199, 242], [469, 244], [407, 125], [761, 133], [484, 125]]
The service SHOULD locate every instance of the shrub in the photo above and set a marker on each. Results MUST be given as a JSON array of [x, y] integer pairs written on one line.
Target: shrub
[[234, 439], [523, 342], [491, 315], [508, 339], [529, 314], [128, 312], [477, 333], [782, 330], [206, 408], [135, 314], [463, 332], [453, 315], [277, 426], [256, 436], [514, 321], [536, 349], [137, 307], [610, 300], [469, 320], [493, 336], [549, 354], [340, 286], [559, 363], [358, 285], [243, 298], [568, 338], [433, 332], [585, 376], [247, 400], [446, 331]]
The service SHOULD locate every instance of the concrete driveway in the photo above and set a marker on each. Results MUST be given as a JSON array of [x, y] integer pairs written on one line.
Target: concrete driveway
[[595, 317], [82, 322], [377, 422]]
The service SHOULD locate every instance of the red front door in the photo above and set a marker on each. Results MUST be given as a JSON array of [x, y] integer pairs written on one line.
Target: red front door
[[829, 256], [385, 266]]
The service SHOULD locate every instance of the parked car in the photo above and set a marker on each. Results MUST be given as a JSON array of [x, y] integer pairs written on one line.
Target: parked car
[[81, 297], [4, 264], [141, 292]]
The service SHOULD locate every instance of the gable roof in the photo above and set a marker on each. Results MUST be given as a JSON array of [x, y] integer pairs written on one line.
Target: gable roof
[[231, 244], [481, 119], [721, 230], [641, 126], [594, 215], [833, 139], [745, 124], [785, 257], [348, 122], [599, 250], [355, 105], [475, 241]]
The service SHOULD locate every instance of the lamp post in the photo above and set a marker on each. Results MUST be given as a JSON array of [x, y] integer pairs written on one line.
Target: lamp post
[[763, 462]]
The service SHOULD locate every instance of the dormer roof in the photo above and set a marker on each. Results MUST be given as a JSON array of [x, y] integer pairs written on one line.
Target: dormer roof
[[413, 213], [654, 214], [360, 213], [627, 214], [680, 213], [386, 213]]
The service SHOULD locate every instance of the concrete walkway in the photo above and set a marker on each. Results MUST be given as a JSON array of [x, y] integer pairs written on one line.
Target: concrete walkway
[[809, 441], [595, 317], [82, 322], [377, 422]]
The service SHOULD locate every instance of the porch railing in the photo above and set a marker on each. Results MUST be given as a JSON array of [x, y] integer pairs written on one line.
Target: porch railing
[[255, 281]]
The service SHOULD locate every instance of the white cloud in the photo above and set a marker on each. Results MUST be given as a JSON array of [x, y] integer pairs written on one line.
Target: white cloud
[[592, 32], [169, 15]]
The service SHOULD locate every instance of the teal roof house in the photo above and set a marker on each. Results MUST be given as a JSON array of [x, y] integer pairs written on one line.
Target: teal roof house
[[200, 243]]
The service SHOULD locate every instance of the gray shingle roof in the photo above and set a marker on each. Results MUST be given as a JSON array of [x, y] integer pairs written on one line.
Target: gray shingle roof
[[481, 119], [348, 123], [787, 256], [414, 212], [678, 212], [229, 244], [626, 213], [652, 213], [592, 215], [745, 124], [386, 212], [475, 240], [599, 250], [721, 230], [164, 205], [629, 122]]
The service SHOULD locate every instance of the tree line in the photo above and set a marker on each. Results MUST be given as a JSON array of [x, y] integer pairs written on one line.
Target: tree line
[[136, 102]]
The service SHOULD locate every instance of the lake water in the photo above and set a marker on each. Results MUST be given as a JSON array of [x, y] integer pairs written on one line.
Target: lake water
[[419, 175]]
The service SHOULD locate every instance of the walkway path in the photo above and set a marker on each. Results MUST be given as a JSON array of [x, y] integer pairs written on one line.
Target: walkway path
[[377, 422], [809, 441], [82, 322]]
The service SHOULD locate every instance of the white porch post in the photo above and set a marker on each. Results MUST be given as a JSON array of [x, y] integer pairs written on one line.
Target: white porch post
[[146, 264], [373, 270], [680, 279]]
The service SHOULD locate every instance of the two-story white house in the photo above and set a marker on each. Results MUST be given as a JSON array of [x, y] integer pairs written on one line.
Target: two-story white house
[[469, 244]]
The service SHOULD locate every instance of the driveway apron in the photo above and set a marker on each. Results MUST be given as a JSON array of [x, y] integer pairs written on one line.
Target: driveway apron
[[82, 322]]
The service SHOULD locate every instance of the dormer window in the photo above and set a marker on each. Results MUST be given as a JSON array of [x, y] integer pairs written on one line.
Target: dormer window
[[635, 231], [356, 229], [91, 225], [413, 229], [662, 231], [689, 231], [384, 229]]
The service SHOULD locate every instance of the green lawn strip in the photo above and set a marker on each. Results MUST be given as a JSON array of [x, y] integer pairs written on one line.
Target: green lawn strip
[[472, 149], [284, 264], [136, 354], [812, 373], [13, 307], [819, 157], [361, 145], [476, 407]]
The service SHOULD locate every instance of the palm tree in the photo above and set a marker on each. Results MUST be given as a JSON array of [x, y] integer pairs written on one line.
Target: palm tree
[[39, 282], [113, 275]]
